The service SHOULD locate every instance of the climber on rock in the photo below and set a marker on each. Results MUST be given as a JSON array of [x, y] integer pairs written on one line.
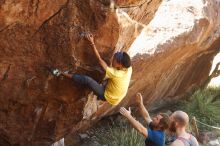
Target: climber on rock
[[118, 76]]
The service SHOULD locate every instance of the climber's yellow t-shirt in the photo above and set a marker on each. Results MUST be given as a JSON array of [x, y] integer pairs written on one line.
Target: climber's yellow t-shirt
[[117, 86]]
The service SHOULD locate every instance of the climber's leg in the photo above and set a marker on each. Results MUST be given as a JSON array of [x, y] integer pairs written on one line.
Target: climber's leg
[[91, 83]]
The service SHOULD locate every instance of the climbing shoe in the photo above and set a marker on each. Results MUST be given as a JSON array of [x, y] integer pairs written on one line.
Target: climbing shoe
[[56, 72]]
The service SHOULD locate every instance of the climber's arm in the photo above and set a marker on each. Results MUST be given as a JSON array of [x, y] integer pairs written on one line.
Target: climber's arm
[[101, 61]]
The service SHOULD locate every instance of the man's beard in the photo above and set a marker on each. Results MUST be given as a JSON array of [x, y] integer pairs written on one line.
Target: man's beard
[[155, 126], [172, 127]]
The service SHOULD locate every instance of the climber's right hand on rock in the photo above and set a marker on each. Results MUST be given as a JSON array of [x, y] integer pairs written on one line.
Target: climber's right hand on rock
[[90, 38]]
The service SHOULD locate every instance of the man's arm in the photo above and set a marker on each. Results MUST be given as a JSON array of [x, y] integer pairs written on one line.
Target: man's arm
[[142, 109], [136, 124], [101, 61]]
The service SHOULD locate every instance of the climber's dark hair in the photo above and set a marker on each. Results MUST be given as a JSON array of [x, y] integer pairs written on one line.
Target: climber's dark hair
[[123, 58]]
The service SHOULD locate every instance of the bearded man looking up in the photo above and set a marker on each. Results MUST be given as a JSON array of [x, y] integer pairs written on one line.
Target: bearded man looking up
[[154, 133]]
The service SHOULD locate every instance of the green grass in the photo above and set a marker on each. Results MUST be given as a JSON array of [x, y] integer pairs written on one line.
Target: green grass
[[120, 135], [205, 106]]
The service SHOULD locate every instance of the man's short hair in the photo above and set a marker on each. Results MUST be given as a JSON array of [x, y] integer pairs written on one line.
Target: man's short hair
[[126, 61], [164, 121], [181, 118], [123, 58]]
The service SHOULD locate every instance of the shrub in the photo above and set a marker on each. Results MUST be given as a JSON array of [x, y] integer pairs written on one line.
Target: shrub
[[205, 106]]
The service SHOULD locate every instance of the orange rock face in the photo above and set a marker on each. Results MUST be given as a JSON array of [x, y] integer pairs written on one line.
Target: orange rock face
[[35, 107]]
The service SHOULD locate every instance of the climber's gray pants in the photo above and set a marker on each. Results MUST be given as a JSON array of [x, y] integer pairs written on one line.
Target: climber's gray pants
[[92, 84]]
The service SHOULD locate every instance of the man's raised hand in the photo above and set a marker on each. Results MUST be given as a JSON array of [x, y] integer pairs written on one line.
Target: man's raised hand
[[139, 99], [125, 112]]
